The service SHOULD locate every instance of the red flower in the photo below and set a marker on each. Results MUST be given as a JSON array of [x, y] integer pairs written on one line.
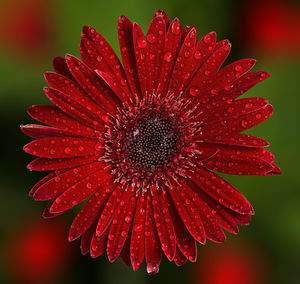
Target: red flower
[[143, 141]]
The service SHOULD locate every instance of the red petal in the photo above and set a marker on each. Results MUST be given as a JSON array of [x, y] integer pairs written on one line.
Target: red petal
[[275, 171], [53, 116], [153, 251], [222, 215], [60, 66], [243, 84], [42, 181], [221, 191], [73, 90], [109, 210], [182, 66], [137, 243], [121, 223], [211, 226], [63, 147], [221, 43], [237, 160], [239, 218], [156, 40], [164, 16], [47, 214], [91, 57], [171, 49], [230, 109], [179, 258], [103, 49], [89, 213], [75, 109], [113, 84], [164, 224], [185, 31], [41, 131], [81, 190], [209, 68], [99, 244], [140, 50], [187, 214], [125, 253], [185, 242], [128, 55], [236, 125], [237, 140], [63, 181], [231, 73], [94, 86], [48, 164], [86, 239]]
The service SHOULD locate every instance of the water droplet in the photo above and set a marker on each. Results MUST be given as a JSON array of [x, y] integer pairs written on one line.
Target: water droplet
[[127, 219], [151, 38], [244, 123], [238, 68], [168, 56], [207, 39], [207, 72], [88, 185], [52, 151], [152, 267], [138, 228], [258, 116], [214, 92], [197, 55], [141, 42], [67, 150], [248, 106], [99, 58], [194, 91], [57, 179]]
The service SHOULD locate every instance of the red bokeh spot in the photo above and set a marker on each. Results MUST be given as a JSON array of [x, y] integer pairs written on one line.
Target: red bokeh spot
[[231, 264], [26, 26], [270, 26], [38, 252]]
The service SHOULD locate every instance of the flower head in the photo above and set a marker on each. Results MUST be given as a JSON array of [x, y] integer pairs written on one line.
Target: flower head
[[142, 141]]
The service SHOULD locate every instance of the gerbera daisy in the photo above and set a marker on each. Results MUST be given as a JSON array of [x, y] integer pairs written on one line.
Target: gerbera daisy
[[142, 141]]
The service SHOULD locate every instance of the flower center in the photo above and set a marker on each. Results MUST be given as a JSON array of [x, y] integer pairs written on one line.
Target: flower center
[[151, 142]]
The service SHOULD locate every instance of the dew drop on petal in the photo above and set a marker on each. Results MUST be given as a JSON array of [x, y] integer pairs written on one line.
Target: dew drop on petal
[[141, 42], [197, 55], [127, 219], [248, 106], [168, 56], [238, 68], [67, 150], [151, 38], [152, 267], [194, 91], [244, 123]]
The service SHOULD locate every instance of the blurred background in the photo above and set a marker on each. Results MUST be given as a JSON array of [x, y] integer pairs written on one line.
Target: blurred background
[[36, 251]]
